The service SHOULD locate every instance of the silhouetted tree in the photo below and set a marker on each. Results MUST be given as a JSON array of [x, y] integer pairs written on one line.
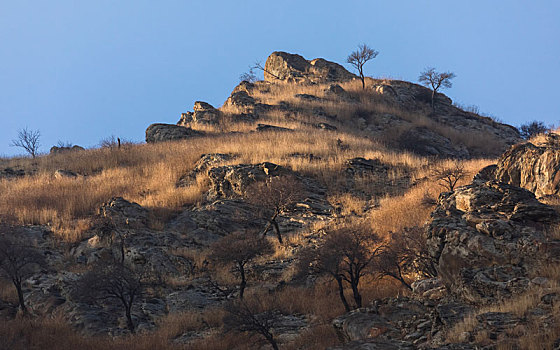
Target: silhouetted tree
[[249, 317], [273, 197], [534, 128], [238, 249], [18, 261], [345, 255], [359, 57], [28, 140], [435, 80], [449, 176], [112, 279]]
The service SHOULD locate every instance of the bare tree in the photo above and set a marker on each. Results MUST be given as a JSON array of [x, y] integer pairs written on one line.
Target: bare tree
[[19, 260], [359, 57], [245, 317], [238, 249], [534, 128], [273, 197], [111, 279], [345, 255], [449, 176], [435, 80], [405, 253], [28, 140]]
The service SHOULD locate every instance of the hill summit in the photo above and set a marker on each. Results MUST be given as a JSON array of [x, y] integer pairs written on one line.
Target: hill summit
[[298, 94]]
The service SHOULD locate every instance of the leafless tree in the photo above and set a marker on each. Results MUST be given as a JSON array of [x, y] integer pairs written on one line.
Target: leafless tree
[[273, 197], [405, 253], [249, 317], [359, 58], [346, 254], [238, 249], [18, 261], [435, 80], [28, 140], [111, 279], [448, 176]]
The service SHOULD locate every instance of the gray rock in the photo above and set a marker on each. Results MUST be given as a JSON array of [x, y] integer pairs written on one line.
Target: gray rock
[[169, 132], [294, 68], [485, 237], [266, 127]]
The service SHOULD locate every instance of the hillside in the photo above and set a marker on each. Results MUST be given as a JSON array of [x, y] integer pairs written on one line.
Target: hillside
[[232, 223]]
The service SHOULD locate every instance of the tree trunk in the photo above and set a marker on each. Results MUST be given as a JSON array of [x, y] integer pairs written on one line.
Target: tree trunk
[[243, 283], [129, 322], [433, 98], [277, 230], [341, 293], [20, 298], [272, 342], [356, 294]]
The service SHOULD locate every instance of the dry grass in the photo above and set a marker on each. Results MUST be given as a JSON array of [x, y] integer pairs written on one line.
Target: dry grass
[[529, 336]]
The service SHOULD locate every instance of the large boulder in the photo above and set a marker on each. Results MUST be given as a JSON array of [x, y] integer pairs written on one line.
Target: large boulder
[[485, 238], [169, 132], [203, 114], [294, 68], [531, 167]]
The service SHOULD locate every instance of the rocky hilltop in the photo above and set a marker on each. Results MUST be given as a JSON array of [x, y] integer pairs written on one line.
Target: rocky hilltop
[[304, 213], [323, 94]]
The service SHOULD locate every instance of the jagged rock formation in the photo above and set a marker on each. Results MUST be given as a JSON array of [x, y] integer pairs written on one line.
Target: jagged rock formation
[[204, 113], [294, 68], [485, 237], [531, 167], [169, 132]]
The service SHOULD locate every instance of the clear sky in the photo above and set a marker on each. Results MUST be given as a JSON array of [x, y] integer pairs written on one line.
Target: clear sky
[[80, 71]]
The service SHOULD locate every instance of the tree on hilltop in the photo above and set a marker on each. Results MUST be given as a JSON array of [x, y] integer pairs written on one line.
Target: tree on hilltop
[[28, 140], [435, 80], [359, 57]]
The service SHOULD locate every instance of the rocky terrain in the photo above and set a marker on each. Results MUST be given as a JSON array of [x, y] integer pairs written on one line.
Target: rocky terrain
[[283, 166]]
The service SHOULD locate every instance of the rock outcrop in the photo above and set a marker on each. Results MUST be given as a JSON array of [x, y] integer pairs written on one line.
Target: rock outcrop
[[169, 132], [64, 149], [294, 68], [534, 168], [485, 237], [204, 114]]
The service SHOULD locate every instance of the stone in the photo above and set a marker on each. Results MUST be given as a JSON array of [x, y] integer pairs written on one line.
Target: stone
[[266, 127], [204, 114], [485, 237], [202, 166], [65, 174], [169, 132], [326, 127], [65, 149], [124, 213], [534, 168], [294, 68]]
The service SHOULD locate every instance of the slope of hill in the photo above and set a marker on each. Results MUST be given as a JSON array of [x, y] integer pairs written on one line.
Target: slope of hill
[[287, 165]]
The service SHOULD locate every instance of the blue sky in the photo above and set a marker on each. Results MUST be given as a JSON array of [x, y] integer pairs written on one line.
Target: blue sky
[[80, 71]]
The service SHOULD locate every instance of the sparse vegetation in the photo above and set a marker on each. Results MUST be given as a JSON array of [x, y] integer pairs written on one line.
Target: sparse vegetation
[[28, 140], [238, 249], [532, 129], [359, 58], [436, 80], [18, 261]]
